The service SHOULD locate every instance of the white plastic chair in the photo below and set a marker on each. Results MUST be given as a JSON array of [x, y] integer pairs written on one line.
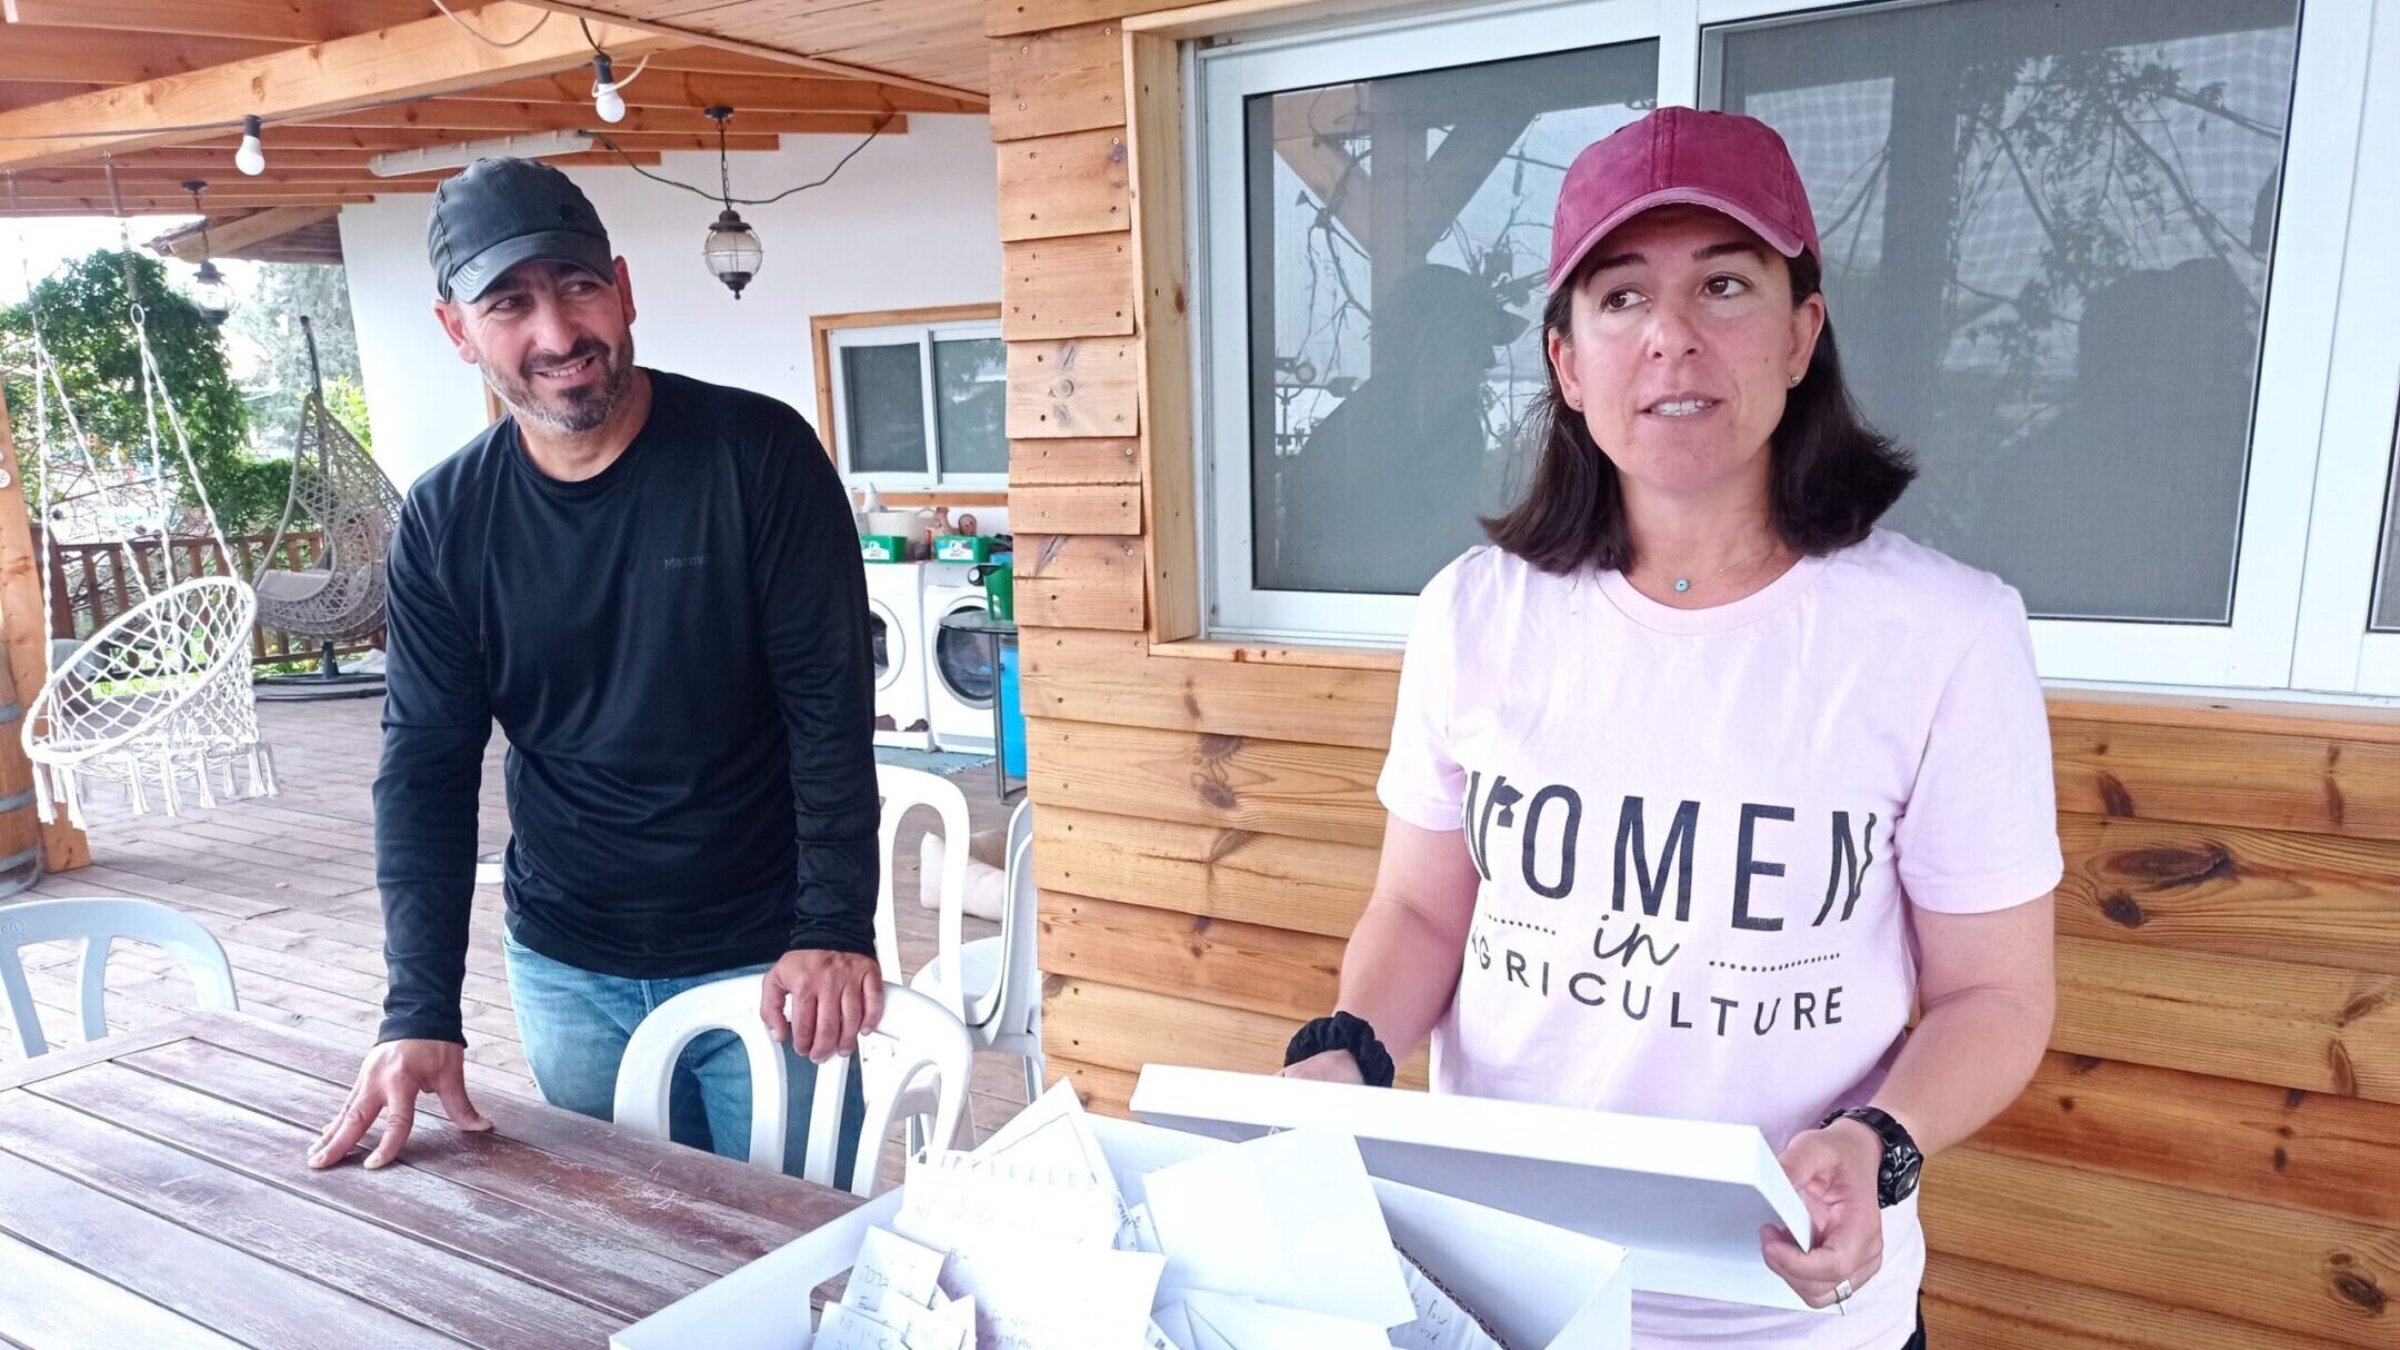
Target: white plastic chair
[[98, 922], [904, 790], [999, 978], [917, 1035]]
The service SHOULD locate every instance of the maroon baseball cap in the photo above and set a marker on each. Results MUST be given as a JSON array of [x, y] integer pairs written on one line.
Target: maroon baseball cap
[[1724, 161]]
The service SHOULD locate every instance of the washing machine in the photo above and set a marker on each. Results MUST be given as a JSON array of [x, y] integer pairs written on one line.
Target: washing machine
[[961, 678], [896, 620]]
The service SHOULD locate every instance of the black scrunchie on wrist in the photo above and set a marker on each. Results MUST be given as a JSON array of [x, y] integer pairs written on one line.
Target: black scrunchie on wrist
[[1343, 1032]]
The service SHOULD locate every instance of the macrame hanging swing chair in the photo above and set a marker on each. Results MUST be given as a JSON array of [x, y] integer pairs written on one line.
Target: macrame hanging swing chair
[[158, 699], [338, 487]]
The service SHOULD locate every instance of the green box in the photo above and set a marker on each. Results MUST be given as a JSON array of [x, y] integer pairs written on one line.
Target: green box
[[883, 548], [961, 548]]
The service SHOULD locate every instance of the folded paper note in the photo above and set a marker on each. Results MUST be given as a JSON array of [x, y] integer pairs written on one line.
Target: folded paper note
[[1290, 1219]]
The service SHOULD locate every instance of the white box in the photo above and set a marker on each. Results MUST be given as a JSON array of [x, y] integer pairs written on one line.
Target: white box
[[1537, 1286], [1686, 1198]]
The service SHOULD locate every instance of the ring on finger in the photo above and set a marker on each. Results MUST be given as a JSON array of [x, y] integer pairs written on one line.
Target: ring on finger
[[1841, 1296]]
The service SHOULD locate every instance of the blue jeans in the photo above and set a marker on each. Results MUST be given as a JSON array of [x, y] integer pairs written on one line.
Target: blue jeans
[[575, 1023]]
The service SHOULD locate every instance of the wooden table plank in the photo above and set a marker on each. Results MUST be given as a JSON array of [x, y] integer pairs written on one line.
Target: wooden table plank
[[53, 1305], [282, 1231], [62, 1059], [707, 1234], [157, 1178], [619, 1273], [203, 1278], [564, 1134]]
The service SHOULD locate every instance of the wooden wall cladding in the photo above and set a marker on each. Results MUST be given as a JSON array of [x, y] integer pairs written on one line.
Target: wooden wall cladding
[[1061, 288], [1072, 582], [1049, 83], [1047, 463], [1079, 388], [2208, 1159], [1077, 183]]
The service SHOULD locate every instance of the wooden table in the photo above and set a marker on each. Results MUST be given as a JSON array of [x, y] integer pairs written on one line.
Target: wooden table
[[153, 1194]]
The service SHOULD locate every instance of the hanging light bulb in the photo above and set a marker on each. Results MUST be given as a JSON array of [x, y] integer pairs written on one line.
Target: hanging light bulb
[[252, 157], [606, 101], [211, 294], [732, 251]]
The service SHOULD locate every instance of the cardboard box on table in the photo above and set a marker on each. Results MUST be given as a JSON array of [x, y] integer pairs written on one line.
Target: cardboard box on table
[[1542, 1289], [1686, 1198]]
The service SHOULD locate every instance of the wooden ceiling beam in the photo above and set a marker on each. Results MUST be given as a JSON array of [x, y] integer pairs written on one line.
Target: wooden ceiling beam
[[464, 115], [216, 165], [106, 56], [169, 206], [692, 37], [413, 60], [284, 22], [376, 139], [150, 176], [687, 89], [215, 199], [234, 233], [29, 93]]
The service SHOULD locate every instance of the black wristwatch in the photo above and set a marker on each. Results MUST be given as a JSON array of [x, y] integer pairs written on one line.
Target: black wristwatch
[[1896, 1179]]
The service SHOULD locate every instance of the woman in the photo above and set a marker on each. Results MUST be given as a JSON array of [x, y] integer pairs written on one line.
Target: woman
[[1700, 782]]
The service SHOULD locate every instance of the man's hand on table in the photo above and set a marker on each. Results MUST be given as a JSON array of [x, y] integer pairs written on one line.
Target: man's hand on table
[[821, 1002], [394, 1075]]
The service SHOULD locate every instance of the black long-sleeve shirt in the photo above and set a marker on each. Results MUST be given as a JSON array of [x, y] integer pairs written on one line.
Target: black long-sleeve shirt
[[678, 651]]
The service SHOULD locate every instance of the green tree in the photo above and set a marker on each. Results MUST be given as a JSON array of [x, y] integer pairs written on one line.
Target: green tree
[[269, 318], [86, 322]]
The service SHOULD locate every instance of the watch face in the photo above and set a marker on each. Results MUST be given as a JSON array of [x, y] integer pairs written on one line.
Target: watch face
[[1901, 1165]]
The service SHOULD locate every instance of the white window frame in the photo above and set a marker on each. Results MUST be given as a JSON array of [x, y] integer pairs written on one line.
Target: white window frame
[[924, 335], [2336, 650], [2302, 445], [1236, 605]]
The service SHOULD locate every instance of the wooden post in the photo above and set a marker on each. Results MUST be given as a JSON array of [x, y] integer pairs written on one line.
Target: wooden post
[[25, 630]]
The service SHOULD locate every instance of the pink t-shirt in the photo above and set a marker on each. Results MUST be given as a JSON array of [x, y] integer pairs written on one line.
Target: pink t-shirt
[[1696, 830]]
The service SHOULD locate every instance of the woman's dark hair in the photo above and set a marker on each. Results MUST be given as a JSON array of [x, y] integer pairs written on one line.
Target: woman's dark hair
[[1833, 475]]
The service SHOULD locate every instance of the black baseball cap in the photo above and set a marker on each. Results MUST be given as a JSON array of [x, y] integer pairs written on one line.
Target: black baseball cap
[[502, 212]]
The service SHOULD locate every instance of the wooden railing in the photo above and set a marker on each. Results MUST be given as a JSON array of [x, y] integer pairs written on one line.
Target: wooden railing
[[92, 583]]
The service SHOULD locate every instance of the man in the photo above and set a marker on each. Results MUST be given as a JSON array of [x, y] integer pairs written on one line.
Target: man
[[653, 584]]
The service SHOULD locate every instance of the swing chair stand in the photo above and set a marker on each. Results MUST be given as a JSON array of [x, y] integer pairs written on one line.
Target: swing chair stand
[[327, 681]]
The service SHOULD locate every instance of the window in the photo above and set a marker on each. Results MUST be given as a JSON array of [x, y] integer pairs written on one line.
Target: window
[[915, 404], [1396, 224], [2086, 261], [2387, 586]]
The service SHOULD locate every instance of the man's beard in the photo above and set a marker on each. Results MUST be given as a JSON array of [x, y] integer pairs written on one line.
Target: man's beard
[[572, 410]]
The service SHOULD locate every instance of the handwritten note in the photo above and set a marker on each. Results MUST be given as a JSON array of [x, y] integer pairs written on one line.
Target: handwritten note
[[1036, 1295], [891, 1267], [1441, 1323], [952, 1199]]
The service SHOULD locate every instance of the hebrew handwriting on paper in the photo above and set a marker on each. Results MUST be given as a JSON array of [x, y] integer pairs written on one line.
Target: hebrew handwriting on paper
[[1441, 1323], [1138, 1234], [1035, 1295], [955, 1199], [891, 1267], [1053, 1134]]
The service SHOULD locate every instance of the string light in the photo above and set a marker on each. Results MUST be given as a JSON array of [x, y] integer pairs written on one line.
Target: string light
[[252, 157], [606, 101]]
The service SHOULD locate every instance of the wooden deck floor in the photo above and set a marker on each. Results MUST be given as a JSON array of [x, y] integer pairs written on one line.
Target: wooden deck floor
[[288, 886]]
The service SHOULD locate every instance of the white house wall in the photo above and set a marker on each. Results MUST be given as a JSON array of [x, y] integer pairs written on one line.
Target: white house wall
[[912, 222]]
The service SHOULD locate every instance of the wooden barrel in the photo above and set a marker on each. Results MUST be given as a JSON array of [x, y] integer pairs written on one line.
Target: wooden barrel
[[20, 827]]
